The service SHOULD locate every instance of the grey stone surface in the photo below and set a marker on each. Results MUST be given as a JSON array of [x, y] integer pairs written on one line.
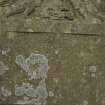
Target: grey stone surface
[[76, 74], [53, 16], [52, 52]]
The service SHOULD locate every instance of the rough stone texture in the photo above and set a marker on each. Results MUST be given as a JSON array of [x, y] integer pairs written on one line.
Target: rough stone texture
[[76, 73], [53, 15], [52, 52]]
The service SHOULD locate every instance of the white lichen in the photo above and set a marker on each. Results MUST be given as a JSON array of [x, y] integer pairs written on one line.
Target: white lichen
[[29, 65], [51, 94], [42, 90], [5, 92], [5, 51], [28, 90], [56, 52], [85, 102], [29, 102], [92, 69], [37, 95], [3, 68], [36, 66], [19, 91]]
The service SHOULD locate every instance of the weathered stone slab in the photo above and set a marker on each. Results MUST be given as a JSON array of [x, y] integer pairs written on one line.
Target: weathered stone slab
[[52, 69], [53, 16]]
